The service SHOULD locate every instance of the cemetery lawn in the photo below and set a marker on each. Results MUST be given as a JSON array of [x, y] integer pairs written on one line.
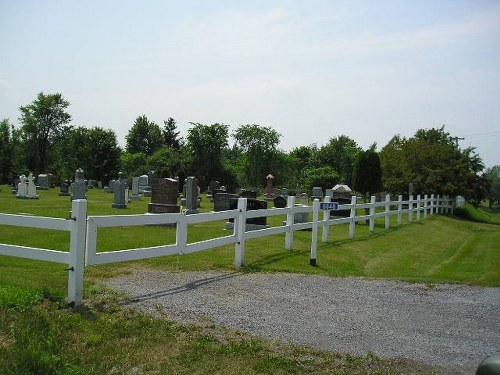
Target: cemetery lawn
[[39, 334]]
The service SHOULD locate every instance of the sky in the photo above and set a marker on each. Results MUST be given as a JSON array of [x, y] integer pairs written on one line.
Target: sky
[[311, 70]]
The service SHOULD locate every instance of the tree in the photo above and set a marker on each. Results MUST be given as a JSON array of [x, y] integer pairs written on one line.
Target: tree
[[166, 162], [144, 137], [339, 153], [170, 135], [205, 145], [6, 151], [367, 172], [325, 177], [492, 175], [103, 159], [42, 121], [259, 147], [133, 164], [432, 161], [95, 150]]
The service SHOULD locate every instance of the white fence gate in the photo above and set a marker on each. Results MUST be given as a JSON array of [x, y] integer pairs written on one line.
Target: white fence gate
[[84, 231]]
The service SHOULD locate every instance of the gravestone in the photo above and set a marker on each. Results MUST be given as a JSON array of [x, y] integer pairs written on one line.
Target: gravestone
[[111, 186], [254, 223], [164, 194], [43, 182], [64, 189], [269, 186], [221, 189], [212, 185], [120, 190], [284, 192], [22, 187], [135, 189], [144, 184], [15, 183], [317, 193], [222, 201], [304, 199], [79, 187], [192, 195], [249, 194], [31, 187], [280, 202], [99, 184]]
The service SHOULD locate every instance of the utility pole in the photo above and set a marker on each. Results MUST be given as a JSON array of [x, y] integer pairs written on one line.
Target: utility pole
[[456, 139]]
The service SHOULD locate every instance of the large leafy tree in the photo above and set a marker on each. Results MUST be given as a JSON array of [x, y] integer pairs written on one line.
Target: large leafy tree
[[367, 172], [433, 163], [492, 175], [325, 177], [95, 150], [166, 162], [205, 146], [339, 153], [259, 151], [42, 122], [144, 136]]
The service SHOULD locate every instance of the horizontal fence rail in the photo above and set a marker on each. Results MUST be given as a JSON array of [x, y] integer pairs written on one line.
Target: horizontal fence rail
[[84, 230], [76, 225]]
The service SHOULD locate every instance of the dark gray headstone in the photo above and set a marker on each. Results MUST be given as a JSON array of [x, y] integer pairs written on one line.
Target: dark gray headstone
[[43, 182], [252, 204], [120, 191], [64, 189], [164, 194], [79, 187], [249, 194], [280, 202], [317, 193], [222, 201], [192, 195]]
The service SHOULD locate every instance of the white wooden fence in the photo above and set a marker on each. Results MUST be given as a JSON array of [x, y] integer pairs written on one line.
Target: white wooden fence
[[84, 231]]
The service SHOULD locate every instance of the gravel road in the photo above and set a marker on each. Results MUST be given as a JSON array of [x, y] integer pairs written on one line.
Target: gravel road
[[451, 327]]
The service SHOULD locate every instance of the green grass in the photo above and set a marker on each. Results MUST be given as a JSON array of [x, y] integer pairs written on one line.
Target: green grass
[[481, 214], [38, 334]]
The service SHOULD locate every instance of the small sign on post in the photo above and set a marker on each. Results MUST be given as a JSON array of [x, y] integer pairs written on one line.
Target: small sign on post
[[328, 206]]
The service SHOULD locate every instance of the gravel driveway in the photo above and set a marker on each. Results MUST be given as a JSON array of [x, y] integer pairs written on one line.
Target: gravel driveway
[[452, 327]]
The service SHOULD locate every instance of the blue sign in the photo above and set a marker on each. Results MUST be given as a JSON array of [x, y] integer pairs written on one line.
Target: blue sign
[[328, 206]]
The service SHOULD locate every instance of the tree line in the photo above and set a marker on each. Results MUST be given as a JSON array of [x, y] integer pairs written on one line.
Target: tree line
[[429, 162]]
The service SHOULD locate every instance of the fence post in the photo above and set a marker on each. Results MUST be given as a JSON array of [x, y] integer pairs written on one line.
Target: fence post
[[314, 239], [410, 208], [425, 206], [77, 251], [326, 219], [240, 227], [400, 209], [418, 207], [352, 222], [439, 205], [181, 233], [290, 218], [372, 213], [387, 211], [432, 205]]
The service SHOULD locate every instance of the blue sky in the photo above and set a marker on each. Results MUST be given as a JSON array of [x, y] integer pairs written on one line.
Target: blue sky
[[311, 70]]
